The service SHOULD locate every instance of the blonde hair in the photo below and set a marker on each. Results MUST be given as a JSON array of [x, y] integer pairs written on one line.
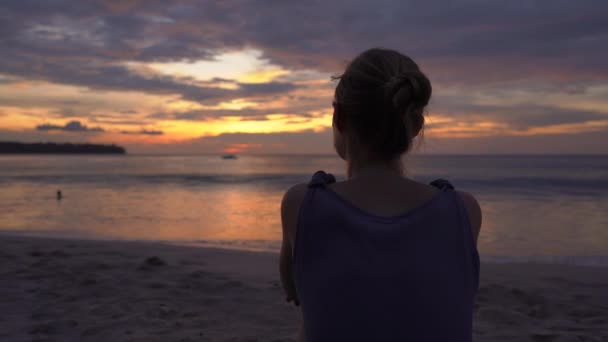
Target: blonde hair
[[382, 95]]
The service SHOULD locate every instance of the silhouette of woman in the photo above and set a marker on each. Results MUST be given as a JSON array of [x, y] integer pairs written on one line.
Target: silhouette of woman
[[379, 256]]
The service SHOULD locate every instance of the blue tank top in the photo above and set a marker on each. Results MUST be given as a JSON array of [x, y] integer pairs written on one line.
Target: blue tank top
[[364, 277]]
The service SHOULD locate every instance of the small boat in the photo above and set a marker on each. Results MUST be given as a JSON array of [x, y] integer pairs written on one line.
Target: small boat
[[229, 156]]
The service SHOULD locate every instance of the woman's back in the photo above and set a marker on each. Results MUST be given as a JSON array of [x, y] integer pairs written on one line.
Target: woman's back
[[366, 277], [380, 257]]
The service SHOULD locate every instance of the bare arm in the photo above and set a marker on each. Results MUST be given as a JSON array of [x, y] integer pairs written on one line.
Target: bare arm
[[473, 211], [301, 333], [286, 272], [290, 206]]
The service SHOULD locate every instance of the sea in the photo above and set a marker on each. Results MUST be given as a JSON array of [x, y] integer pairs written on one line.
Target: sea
[[536, 208]]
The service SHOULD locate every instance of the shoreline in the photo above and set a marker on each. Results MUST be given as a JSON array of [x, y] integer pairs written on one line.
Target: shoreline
[[273, 247], [57, 289]]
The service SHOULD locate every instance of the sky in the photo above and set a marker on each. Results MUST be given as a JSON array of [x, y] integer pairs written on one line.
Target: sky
[[187, 76]]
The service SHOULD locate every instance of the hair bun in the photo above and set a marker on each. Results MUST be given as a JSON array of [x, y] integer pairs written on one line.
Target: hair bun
[[406, 89], [382, 96]]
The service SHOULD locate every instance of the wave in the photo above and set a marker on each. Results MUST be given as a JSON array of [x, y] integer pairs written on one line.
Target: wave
[[521, 185], [274, 246], [189, 179]]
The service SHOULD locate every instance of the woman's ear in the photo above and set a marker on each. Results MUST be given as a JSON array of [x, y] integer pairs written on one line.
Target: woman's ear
[[416, 129], [338, 128]]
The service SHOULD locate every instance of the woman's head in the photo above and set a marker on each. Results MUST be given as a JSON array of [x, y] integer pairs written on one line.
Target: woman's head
[[379, 105]]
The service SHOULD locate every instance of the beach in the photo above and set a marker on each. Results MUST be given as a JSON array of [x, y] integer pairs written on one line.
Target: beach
[[157, 156], [94, 290]]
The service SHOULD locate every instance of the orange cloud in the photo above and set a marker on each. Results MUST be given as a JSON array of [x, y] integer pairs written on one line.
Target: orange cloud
[[239, 148]]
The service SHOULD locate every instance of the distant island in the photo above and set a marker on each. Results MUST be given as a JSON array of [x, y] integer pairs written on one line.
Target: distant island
[[61, 148]]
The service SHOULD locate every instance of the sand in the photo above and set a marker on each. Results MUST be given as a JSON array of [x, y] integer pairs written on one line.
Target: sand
[[84, 290]]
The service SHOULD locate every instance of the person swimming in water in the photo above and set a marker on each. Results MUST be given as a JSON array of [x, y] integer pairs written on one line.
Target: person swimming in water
[[379, 256]]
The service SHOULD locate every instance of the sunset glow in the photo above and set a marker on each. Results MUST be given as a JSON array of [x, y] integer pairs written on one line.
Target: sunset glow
[[173, 80]]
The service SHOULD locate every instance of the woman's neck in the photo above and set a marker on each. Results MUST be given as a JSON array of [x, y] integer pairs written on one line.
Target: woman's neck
[[374, 169]]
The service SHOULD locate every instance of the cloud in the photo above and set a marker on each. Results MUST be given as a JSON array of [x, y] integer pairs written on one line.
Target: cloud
[[7, 80], [89, 74], [206, 114], [307, 141], [310, 142], [469, 49], [518, 116], [72, 126], [477, 41], [577, 143], [143, 132], [291, 107], [77, 126]]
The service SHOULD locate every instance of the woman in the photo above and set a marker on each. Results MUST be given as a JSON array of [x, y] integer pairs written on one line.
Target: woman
[[380, 257]]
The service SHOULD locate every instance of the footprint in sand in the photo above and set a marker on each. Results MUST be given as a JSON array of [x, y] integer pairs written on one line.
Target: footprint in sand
[[43, 329], [36, 254], [152, 263], [502, 315], [60, 254], [156, 285], [198, 274], [5, 255], [549, 337]]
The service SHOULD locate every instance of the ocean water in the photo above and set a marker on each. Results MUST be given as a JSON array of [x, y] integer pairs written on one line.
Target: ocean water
[[536, 208]]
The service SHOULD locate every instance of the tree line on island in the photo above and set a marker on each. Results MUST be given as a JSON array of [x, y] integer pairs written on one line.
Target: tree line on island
[[58, 148]]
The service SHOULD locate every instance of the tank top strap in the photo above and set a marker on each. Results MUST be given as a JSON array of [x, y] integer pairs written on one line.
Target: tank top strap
[[442, 184], [469, 240], [321, 178]]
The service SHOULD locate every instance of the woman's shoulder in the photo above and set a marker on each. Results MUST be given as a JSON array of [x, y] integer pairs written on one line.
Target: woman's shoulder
[[468, 200], [473, 211], [294, 195], [290, 207]]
